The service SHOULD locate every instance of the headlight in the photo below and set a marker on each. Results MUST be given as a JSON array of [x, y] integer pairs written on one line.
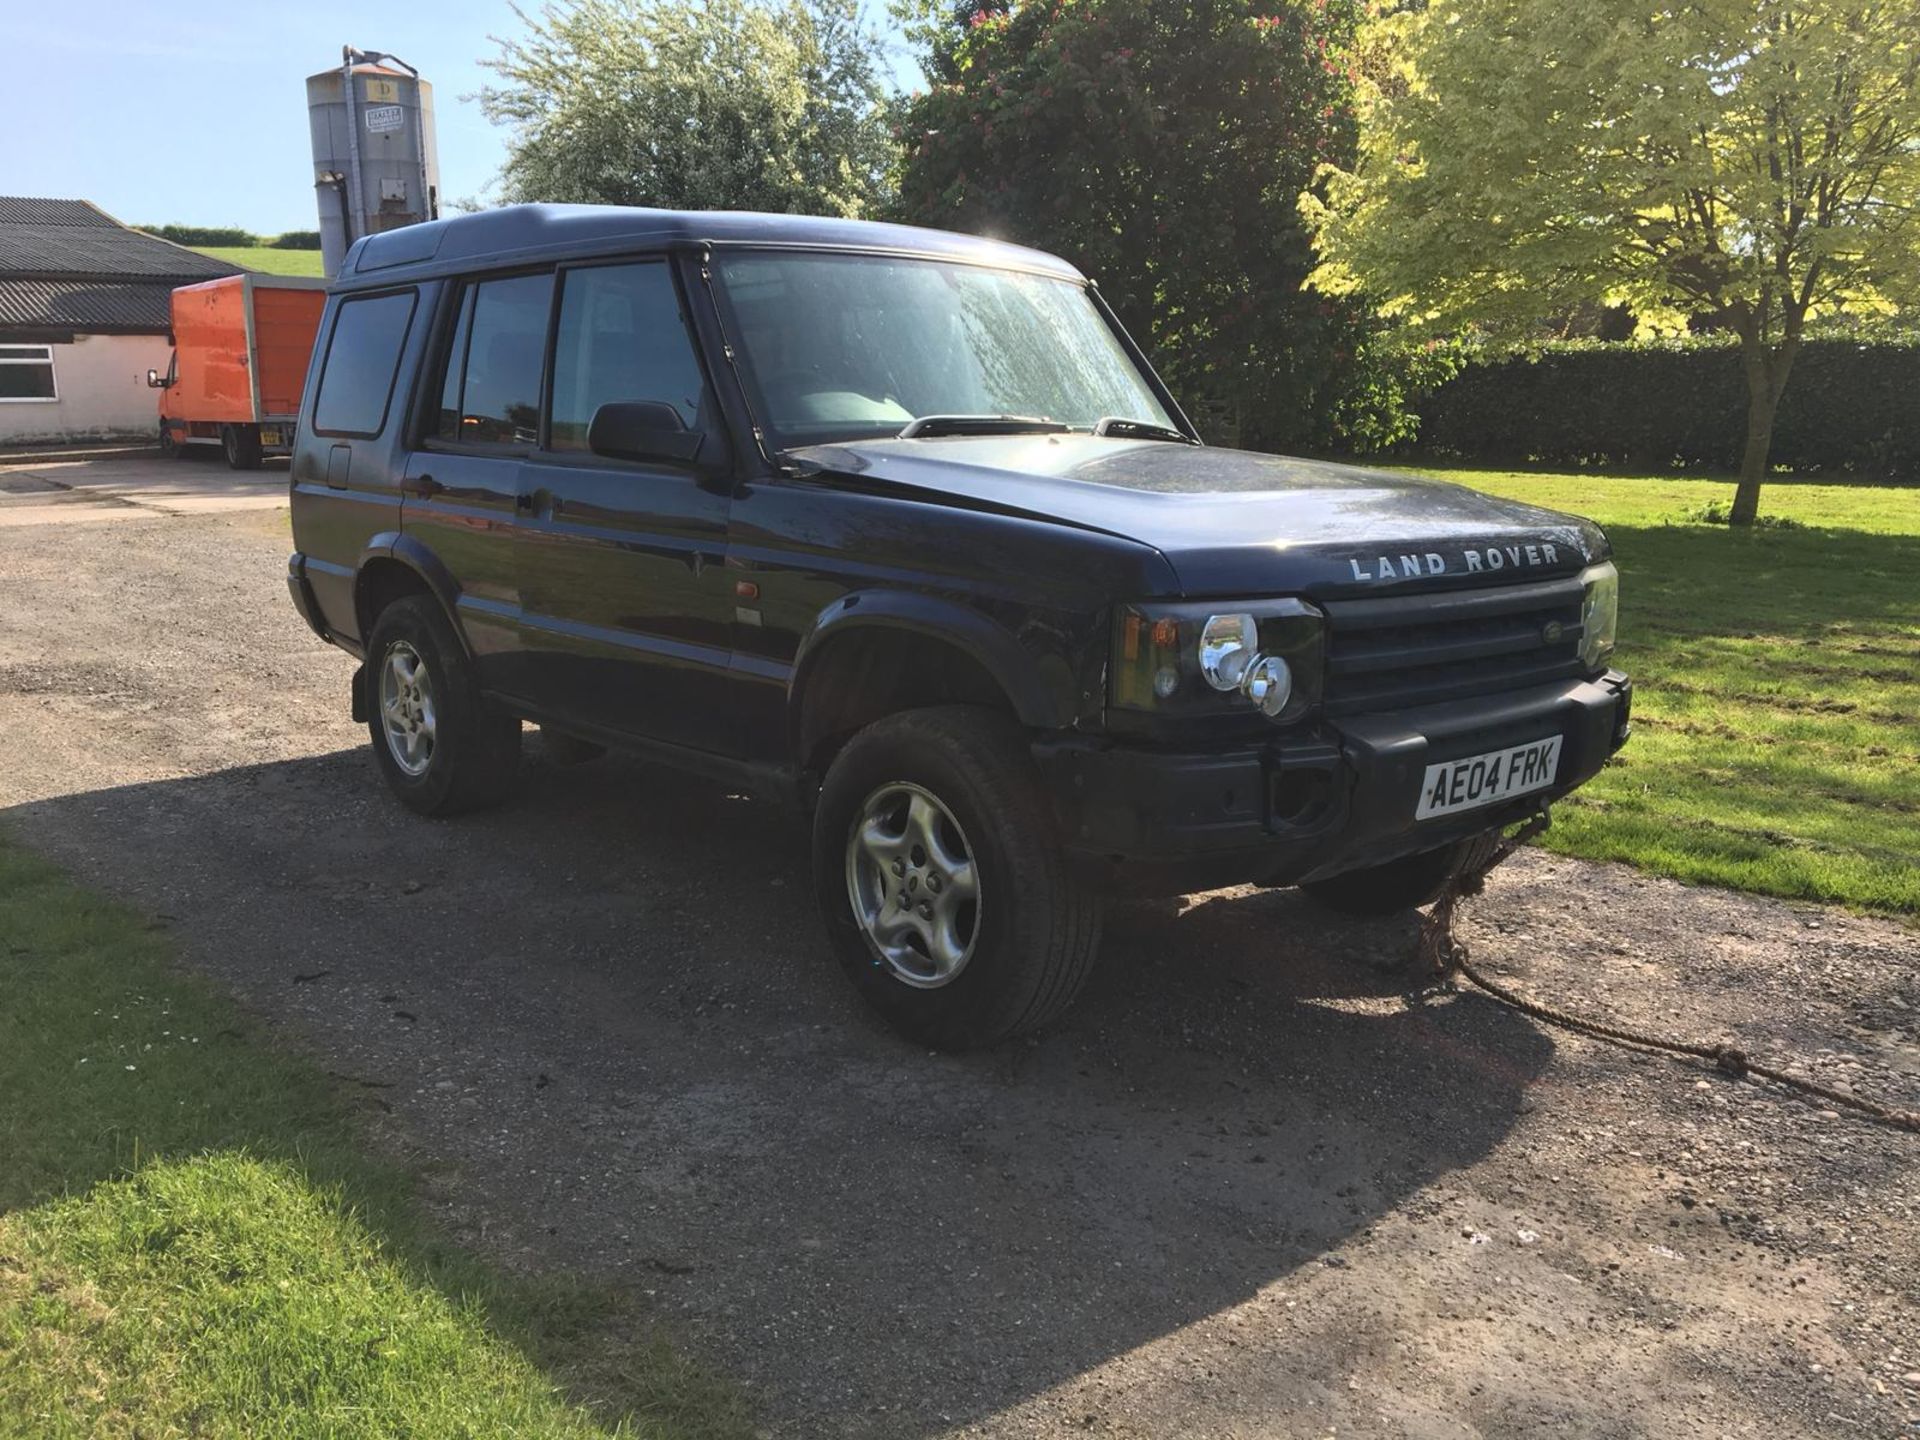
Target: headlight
[[1199, 659], [1599, 614], [1228, 644]]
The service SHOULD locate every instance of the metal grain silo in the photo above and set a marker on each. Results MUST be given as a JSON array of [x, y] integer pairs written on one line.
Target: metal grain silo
[[374, 163]]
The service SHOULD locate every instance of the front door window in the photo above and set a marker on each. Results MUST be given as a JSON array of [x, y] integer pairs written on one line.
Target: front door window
[[621, 338]]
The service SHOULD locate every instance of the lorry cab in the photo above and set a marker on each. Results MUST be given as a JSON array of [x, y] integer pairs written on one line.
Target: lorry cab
[[241, 346]]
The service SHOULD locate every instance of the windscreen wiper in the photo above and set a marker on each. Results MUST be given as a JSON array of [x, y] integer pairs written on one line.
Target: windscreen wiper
[[1140, 430], [925, 427]]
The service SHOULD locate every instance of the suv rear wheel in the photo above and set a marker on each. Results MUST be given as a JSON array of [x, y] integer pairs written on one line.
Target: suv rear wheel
[[944, 890], [442, 750]]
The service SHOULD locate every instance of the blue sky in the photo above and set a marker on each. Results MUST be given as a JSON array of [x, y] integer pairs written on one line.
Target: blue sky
[[194, 111]]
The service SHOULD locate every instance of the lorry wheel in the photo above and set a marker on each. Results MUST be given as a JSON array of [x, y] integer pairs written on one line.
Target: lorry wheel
[[170, 446], [1399, 885], [944, 891], [242, 446], [441, 748]]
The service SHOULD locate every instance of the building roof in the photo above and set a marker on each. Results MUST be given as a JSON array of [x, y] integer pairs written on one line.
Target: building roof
[[97, 307], [516, 234], [27, 210], [67, 265]]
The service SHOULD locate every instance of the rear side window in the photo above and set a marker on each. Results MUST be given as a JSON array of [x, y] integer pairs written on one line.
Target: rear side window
[[357, 383], [490, 390], [621, 337]]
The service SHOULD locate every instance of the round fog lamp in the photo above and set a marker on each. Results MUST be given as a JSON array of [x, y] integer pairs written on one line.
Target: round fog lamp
[[1268, 683]]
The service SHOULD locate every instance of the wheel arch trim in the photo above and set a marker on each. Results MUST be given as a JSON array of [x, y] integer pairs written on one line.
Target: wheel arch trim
[[978, 636], [405, 550]]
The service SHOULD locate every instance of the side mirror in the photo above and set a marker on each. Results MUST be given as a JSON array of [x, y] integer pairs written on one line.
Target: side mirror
[[650, 430], [155, 381]]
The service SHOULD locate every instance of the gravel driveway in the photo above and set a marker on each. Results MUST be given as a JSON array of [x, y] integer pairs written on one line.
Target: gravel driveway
[[1255, 1186]]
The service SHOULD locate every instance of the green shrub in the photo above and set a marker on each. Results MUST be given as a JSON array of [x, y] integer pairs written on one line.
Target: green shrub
[[1850, 404], [296, 240], [197, 235]]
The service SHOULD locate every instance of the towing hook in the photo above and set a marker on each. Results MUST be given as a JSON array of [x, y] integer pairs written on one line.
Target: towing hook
[[1437, 950]]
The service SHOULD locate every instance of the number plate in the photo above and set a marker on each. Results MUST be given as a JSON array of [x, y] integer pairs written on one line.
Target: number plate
[[1456, 785]]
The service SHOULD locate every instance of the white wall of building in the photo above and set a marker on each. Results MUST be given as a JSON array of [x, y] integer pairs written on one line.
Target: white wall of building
[[103, 394]]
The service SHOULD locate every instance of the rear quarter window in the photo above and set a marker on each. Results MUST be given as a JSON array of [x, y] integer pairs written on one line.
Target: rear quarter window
[[363, 357]]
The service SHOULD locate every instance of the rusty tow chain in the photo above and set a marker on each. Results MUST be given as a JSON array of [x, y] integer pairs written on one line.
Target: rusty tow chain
[[1440, 952]]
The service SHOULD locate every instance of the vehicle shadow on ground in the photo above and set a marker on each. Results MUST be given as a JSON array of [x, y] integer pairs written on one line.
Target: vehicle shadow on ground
[[608, 1009]]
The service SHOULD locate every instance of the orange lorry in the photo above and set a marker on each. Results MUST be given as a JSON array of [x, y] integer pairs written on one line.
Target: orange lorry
[[240, 350]]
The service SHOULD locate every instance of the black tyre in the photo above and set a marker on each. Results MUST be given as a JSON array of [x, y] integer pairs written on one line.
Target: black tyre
[[1399, 885], [241, 445], [170, 446], [440, 747], [943, 887]]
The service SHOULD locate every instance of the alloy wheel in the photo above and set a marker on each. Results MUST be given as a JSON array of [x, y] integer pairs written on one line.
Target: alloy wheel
[[913, 885], [407, 712]]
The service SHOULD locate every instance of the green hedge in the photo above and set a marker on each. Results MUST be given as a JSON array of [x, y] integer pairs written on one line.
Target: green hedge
[[228, 235], [1850, 404], [232, 237]]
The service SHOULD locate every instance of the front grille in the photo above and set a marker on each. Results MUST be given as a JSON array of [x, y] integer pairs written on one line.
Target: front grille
[[1406, 650]]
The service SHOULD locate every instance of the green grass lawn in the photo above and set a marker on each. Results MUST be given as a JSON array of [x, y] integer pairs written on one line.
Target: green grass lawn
[[1777, 687], [265, 257], [194, 1242]]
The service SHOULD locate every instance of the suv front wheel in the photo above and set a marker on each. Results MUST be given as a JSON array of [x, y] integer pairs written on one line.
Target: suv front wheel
[[442, 750], [944, 890]]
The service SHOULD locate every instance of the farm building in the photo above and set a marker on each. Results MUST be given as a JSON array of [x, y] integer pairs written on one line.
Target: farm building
[[83, 316]]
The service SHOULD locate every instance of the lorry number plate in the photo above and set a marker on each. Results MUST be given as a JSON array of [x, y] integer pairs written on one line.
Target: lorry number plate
[[1456, 785]]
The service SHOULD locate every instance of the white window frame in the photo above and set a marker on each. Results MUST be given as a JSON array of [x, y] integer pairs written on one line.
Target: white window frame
[[45, 357]]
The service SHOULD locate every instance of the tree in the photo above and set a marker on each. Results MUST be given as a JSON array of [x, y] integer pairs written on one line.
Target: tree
[[1751, 163], [695, 104], [1160, 145]]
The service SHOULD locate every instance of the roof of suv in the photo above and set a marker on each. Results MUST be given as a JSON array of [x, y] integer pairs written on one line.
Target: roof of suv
[[517, 234]]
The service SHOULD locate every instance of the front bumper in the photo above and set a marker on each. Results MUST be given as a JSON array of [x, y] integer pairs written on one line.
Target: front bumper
[[1303, 807]]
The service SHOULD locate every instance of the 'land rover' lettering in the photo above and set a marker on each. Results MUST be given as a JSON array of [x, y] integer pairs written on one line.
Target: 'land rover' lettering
[[1493, 557], [1410, 567]]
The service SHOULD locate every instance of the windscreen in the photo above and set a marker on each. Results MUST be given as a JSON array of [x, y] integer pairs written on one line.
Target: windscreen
[[855, 346]]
